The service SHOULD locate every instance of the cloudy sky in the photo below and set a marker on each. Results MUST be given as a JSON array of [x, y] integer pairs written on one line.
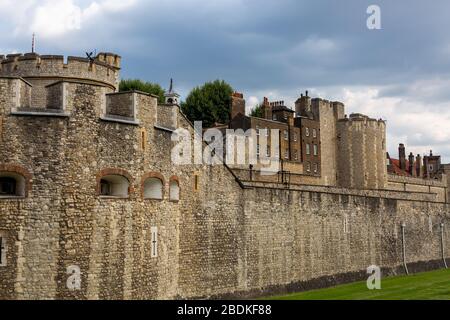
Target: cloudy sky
[[274, 48]]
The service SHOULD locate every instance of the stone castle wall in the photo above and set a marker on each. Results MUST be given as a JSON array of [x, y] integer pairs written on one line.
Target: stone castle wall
[[224, 237], [438, 187]]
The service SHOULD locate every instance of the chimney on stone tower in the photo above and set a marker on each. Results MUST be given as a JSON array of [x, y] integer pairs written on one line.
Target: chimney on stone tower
[[402, 156], [237, 104], [411, 164], [419, 166]]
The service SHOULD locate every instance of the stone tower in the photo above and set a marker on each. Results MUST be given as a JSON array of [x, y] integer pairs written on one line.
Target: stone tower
[[361, 153], [328, 113]]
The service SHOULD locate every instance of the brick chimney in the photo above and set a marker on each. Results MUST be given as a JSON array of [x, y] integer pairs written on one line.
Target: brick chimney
[[237, 104], [402, 156], [267, 108], [411, 164], [419, 166]]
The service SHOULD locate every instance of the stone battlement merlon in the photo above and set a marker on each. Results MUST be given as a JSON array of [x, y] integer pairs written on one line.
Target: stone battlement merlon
[[104, 68]]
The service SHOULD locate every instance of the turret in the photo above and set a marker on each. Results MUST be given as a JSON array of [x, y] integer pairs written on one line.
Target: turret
[[37, 69], [303, 106]]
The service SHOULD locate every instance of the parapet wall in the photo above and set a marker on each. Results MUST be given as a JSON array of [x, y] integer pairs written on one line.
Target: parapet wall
[[103, 69], [411, 184]]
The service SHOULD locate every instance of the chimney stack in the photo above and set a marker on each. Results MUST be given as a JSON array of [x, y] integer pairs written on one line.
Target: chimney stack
[[237, 104], [419, 167], [402, 156], [411, 164], [267, 108]]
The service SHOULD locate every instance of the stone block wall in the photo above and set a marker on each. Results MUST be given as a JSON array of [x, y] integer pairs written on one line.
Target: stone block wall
[[222, 238]]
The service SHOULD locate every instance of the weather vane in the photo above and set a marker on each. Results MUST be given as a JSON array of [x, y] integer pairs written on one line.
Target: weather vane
[[171, 85]]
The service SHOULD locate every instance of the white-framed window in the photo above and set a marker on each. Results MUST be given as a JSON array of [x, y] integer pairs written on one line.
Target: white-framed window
[[274, 117], [316, 150], [277, 153], [286, 135], [316, 168], [154, 244], [308, 149], [314, 133], [307, 131], [431, 167], [295, 137], [286, 154], [308, 167], [295, 155]]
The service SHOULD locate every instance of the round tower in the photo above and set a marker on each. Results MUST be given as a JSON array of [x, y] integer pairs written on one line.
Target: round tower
[[361, 152], [42, 70]]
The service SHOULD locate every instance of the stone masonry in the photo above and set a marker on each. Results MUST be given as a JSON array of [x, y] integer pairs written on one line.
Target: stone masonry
[[84, 159]]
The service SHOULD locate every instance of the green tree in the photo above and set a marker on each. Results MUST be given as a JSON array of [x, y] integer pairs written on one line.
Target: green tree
[[139, 85], [257, 111], [209, 103]]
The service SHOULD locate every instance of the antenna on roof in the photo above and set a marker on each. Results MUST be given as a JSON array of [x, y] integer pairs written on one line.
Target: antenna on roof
[[33, 42]]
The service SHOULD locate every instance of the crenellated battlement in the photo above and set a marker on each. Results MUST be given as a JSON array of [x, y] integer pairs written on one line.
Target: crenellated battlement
[[104, 68], [358, 118]]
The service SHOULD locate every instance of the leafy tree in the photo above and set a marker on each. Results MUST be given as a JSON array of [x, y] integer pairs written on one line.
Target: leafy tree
[[139, 85], [209, 103], [257, 111]]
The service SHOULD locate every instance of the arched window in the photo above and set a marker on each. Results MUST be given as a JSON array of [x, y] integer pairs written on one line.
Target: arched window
[[153, 189], [174, 190], [12, 185], [114, 186]]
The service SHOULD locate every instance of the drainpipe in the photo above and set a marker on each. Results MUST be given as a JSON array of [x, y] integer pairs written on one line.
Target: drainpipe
[[404, 248], [442, 246]]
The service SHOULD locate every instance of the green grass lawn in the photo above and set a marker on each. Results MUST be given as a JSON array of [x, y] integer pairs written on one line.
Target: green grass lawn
[[422, 286]]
